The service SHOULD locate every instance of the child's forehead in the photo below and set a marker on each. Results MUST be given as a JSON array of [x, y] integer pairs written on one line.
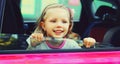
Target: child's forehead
[[55, 11]]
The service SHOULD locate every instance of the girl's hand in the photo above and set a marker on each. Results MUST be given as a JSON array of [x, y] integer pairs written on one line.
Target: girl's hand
[[36, 38], [88, 42]]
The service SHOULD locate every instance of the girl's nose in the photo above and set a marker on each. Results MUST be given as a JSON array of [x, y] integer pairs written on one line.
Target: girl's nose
[[59, 24]]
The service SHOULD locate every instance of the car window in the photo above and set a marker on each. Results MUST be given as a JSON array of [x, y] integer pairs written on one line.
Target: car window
[[32, 10], [97, 3]]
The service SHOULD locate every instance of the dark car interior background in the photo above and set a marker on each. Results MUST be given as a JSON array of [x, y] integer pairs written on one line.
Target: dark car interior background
[[93, 18]]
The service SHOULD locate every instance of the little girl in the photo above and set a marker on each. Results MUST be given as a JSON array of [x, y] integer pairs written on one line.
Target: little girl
[[55, 23]]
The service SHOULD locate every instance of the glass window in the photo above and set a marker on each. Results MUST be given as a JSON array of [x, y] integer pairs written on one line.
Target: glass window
[[97, 3], [31, 10]]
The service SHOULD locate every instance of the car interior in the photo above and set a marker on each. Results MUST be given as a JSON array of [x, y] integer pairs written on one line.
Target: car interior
[[92, 18], [95, 18]]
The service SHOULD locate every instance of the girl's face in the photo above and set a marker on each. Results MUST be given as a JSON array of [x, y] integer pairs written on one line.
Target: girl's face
[[56, 22]]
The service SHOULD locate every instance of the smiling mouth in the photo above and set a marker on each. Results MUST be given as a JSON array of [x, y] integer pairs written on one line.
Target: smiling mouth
[[58, 32]]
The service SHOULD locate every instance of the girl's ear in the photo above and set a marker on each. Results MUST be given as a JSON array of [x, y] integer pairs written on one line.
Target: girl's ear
[[42, 24]]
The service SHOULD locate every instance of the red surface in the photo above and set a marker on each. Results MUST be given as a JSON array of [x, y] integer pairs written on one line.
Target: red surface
[[112, 57], [98, 33]]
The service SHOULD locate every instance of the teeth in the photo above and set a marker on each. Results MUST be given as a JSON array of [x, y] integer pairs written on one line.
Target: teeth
[[58, 31], [61, 29]]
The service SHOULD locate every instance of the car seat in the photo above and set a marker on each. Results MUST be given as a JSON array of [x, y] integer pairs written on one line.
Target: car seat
[[106, 19], [112, 37], [2, 6]]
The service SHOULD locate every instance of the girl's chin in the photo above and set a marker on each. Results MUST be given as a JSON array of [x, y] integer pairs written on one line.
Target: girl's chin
[[57, 36]]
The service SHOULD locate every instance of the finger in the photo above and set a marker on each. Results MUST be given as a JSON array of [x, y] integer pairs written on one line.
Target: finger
[[88, 44], [39, 38], [32, 36]]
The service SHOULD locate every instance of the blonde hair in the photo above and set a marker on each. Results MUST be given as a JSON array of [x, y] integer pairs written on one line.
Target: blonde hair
[[41, 18]]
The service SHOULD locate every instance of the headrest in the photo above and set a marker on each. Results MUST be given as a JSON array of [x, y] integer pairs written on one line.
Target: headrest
[[107, 14], [112, 36]]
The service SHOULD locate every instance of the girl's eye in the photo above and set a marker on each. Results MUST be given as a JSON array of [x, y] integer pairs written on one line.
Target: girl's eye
[[64, 21], [53, 21]]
